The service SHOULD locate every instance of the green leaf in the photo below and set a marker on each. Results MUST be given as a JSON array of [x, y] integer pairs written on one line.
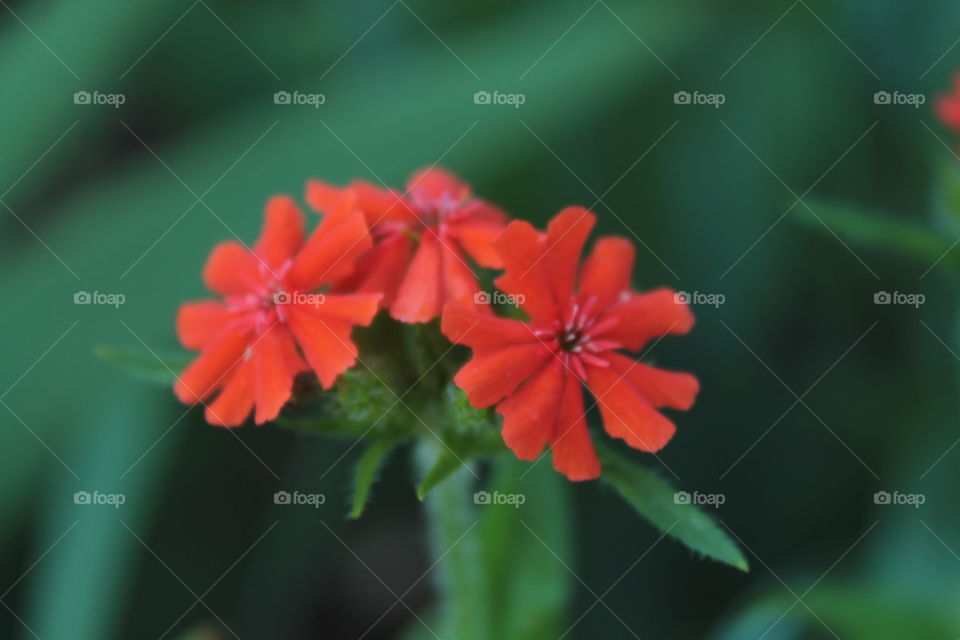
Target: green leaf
[[654, 498], [466, 433], [162, 368], [446, 464], [367, 469], [875, 230], [849, 610]]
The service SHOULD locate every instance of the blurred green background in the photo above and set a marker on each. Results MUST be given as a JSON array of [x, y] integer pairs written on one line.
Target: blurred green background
[[129, 199]]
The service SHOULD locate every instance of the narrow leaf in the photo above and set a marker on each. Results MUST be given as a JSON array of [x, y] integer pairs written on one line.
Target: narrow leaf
[[878, 230], [655, 499], [162, 368], [447, 463], [367, 469]]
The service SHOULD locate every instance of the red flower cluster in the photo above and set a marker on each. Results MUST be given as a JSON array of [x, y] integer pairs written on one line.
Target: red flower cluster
[[290, 303]]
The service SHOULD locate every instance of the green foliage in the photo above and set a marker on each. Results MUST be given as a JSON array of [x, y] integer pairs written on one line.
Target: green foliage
[[881, 231], [528, 551], [465, 433], [162, 368], [367, 469], [654, 499], [446, 464], [845, 609], [460, 571]]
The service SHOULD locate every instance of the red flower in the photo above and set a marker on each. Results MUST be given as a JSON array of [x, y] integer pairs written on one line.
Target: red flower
[[271, 325], [533, 371], [947, 106], [421, 237]]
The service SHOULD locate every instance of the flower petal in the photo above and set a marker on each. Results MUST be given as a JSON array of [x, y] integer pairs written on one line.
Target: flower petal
[[331, 251], [198, 322], [381, 269], [276, 364], [434, 183], [626, 413], [566, 235], [490, 377], [282, 234], [354, 308], [644, 316], [326, 343], [235, 401], [207, 372], [420, 297], [570, 444], [608, 271], [663, 388], [460, 285], [481, 331], [477, 238], [530, 413], [522, 251], [382, 205], [232, 270], [323, 197]]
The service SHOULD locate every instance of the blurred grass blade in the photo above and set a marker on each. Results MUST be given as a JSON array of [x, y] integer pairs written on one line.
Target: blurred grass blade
[[654, 499], [78, 590], [145, 365], [368, 467], [876, 230]]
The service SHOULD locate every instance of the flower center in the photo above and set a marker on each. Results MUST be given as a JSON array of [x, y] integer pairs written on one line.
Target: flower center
[[578, 335]]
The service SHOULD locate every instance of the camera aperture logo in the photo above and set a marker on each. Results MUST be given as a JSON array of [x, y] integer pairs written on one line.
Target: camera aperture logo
[[911, 99], [297, 498], [100, 298], [702, 499], [95, 97], [499, 298], [912, 499], [699, 298], [512, 499], [697, 98], [297, 98], [299, 298], [513, 99], [909, 299], [98, 498]]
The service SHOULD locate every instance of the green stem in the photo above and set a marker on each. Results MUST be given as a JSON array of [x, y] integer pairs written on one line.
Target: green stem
[[455, 547]]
